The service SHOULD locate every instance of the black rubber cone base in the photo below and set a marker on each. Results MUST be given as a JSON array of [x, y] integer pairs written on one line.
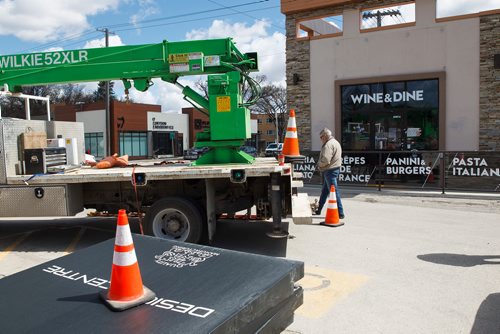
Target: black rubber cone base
[[122, 306], [332, 225], [277, 234]]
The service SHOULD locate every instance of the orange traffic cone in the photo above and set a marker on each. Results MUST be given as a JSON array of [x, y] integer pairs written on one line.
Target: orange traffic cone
[[332, 211], [126, 289], [291, 144]]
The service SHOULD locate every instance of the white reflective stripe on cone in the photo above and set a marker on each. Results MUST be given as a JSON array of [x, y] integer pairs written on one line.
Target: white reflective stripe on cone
[[123, 235], [332, 205], [124, 258], [291, 134]]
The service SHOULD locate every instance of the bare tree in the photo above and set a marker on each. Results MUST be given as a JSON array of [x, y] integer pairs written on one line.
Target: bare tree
[[15, 107], [64, 93], [273, 103], [71, 94], [202, 86]]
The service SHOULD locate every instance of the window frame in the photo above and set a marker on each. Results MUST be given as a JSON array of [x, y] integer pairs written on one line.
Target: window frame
[[388, 27], [307, 38], [133, 135], [97, 136]]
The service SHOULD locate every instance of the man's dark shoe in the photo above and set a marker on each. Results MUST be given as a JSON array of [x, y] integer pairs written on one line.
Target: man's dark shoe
[[317, 212], [341, 216]]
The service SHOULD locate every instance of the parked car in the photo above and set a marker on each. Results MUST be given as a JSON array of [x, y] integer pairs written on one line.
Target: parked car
[[249, 150], [273, 149], [194, 152]]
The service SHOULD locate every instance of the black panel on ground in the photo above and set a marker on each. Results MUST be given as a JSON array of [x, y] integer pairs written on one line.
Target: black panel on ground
[[199, 289]]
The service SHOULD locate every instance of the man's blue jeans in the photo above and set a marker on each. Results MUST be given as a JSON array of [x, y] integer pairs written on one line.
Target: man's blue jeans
[[330, 177]]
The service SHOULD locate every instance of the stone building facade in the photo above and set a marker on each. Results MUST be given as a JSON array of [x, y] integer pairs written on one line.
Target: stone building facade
[[489, 123], [459, 52]]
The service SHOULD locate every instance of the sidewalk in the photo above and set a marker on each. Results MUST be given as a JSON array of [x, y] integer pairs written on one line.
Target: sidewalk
[[472, 201], [411, 192], [404, 262]]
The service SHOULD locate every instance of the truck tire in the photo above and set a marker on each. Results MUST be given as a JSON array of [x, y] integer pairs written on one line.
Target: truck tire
[[175, 218]]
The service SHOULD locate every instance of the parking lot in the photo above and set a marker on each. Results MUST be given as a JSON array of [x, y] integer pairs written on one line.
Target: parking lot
[[412, 264]]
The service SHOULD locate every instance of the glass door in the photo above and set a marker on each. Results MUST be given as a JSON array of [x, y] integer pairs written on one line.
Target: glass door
[[387, 131]]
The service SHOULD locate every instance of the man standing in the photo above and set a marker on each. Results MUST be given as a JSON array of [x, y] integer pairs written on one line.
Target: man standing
[[329, 163]]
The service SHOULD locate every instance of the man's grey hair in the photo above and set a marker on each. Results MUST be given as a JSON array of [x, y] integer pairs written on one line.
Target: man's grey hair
[[326, 131]]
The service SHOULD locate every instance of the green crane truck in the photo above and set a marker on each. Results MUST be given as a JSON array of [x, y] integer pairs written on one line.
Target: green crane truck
[[181, 201]]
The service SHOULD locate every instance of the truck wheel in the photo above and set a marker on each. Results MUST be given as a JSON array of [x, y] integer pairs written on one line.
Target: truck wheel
[[175, 218]]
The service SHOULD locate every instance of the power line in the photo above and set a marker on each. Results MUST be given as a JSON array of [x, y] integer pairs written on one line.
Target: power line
[[157, 25], [380, 15], [68, 38], [193, 20], [243, 13], [79, 41], [182, 15], [138, 26]]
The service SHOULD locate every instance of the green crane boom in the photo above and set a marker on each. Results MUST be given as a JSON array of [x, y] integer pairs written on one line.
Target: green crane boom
[[226, 66]]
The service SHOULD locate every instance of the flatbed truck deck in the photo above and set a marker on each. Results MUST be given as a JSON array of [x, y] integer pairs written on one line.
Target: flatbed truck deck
[[180, 201]]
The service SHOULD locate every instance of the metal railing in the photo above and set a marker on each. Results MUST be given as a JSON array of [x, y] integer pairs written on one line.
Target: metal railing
[[429, 170]]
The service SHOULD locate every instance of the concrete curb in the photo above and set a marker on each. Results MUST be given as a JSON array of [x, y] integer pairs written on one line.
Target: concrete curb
[[315, 189]]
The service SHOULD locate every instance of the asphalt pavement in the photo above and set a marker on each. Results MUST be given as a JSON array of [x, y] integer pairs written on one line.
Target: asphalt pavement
[[404, 262]]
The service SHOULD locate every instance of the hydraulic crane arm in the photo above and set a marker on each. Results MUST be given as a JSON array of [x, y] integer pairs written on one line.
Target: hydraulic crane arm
[[137, 65], [166, 60]]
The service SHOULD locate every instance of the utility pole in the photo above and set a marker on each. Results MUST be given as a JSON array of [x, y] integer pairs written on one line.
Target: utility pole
[[108, 121], [379, 15], [276, 124]]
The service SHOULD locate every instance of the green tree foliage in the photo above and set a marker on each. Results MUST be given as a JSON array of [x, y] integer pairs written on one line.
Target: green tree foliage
[[100, 92]]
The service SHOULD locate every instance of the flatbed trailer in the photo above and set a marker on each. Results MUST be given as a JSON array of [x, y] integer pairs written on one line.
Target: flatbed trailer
[[180, 201]]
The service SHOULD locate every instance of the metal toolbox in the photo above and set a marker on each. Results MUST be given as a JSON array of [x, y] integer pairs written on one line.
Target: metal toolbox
[[40, 201], [40, 160]]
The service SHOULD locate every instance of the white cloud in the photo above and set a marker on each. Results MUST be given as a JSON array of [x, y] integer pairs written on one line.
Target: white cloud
[[254, 38], [460, 7], [114, 40], [42, 20], [53, 49], [166, 94], [146, 8]]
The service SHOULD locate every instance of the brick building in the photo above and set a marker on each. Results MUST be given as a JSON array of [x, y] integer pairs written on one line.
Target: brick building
[[136, 129]]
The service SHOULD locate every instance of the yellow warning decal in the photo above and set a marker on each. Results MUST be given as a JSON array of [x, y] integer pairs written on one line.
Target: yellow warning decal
[[178, 58], [223, 103]]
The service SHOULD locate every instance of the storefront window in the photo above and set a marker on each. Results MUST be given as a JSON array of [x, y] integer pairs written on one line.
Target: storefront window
[[134, 143], [94, 143], [391, 116]]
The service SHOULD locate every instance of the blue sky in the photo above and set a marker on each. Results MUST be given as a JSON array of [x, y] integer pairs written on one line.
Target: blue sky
[[37, 25], [45, 25]]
